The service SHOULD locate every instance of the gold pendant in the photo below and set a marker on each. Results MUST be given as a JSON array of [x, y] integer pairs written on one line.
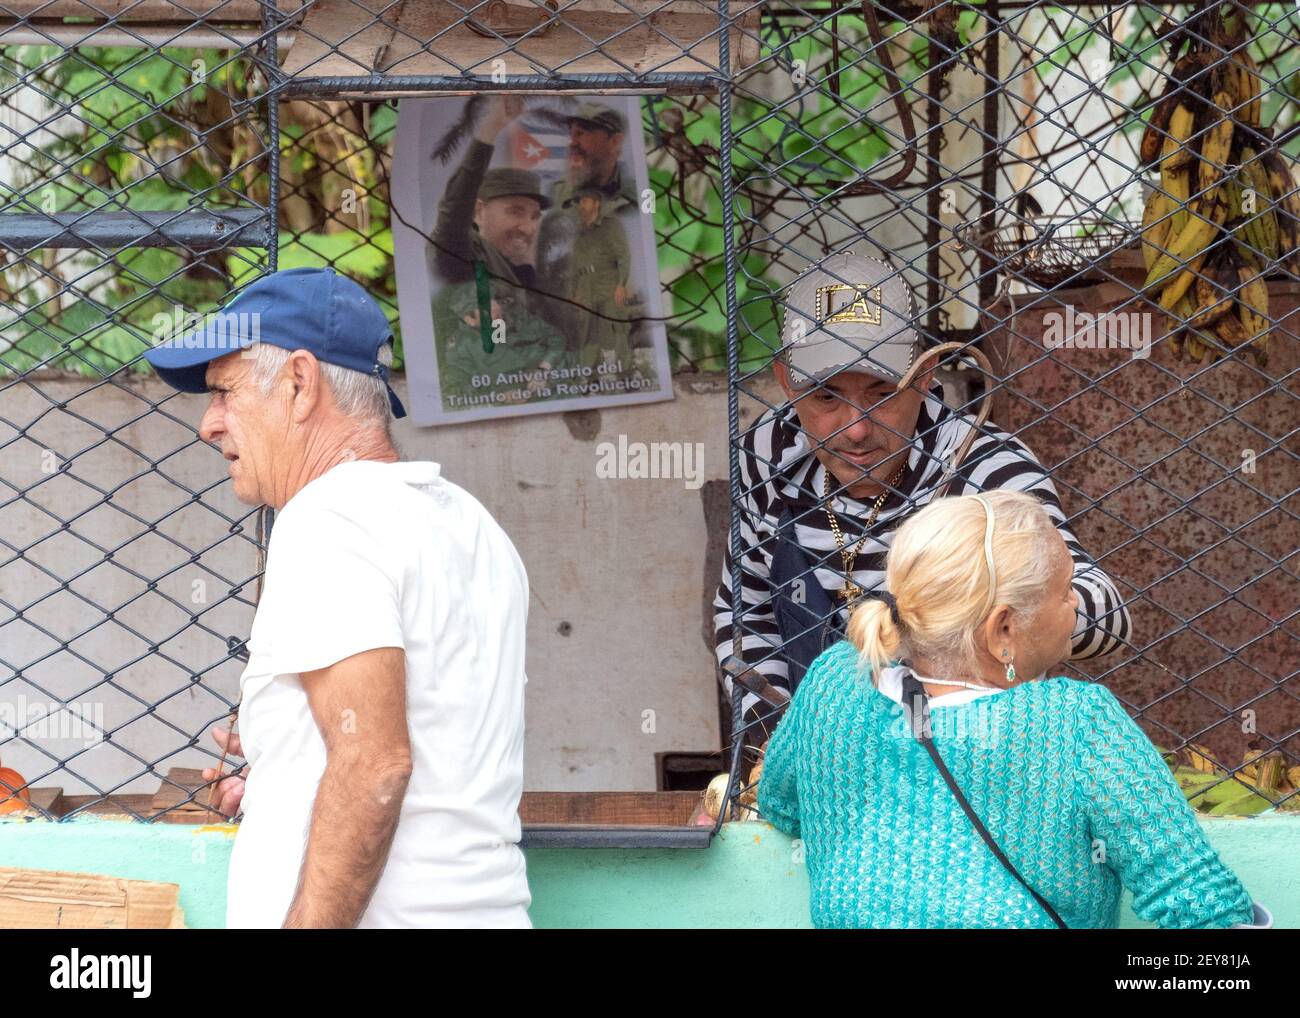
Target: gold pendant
[[851, 592]]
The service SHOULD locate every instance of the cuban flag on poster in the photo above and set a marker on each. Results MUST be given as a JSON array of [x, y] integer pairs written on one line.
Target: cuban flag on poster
[[539, 147]]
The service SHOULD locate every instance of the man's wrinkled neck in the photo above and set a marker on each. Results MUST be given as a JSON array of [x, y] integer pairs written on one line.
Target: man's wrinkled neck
[[324, 448]]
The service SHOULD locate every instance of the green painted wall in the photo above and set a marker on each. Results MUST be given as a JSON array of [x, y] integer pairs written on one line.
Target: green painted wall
[[748, 877], [192, 856]]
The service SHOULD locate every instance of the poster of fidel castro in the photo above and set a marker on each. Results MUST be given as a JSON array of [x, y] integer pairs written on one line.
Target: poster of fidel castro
[[526, 266]]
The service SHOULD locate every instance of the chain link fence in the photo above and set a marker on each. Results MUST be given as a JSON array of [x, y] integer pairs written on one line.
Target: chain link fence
[[156, 155]]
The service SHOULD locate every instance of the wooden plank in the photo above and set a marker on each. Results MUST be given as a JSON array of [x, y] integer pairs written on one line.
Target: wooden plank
[[57, 900], [668, 809], [615, 809], [174, 792], [127, 807], [48, 799], [342, 38]]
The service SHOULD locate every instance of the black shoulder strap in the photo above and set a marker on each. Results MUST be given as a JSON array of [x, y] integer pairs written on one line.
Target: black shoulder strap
[[916, 704]]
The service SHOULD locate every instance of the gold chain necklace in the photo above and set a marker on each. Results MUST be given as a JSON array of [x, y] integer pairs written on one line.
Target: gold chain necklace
[[851, 590]]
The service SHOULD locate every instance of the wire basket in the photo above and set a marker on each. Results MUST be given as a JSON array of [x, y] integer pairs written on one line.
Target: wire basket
[[1048, 250]]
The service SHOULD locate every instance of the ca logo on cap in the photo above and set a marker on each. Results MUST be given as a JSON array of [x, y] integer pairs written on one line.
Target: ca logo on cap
[[857, 302]]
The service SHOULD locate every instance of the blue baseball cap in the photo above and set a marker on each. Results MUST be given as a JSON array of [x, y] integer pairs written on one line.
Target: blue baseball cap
[[296, 309]]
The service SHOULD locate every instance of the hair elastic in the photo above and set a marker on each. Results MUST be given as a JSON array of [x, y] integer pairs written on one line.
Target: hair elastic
[[889, 599]]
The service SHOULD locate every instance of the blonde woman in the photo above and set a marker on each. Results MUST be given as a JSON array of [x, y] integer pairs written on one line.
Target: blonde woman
[[939, 778]]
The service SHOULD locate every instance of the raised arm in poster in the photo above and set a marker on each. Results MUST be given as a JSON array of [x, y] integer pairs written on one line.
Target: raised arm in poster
[[526, 270]]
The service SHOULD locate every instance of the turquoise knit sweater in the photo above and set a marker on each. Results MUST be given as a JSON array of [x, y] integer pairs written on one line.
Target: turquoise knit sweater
[[1070, 787]]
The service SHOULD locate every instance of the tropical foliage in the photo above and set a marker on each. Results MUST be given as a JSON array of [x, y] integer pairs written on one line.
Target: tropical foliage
[[172, 129]]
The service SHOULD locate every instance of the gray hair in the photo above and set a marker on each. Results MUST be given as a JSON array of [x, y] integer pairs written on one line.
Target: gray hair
[[358, 395]]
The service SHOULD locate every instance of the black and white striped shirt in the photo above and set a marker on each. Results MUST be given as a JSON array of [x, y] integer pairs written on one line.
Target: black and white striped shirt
[[778, 470]]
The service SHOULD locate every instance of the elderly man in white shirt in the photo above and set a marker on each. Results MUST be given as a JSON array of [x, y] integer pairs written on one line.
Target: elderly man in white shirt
[[382, 706]]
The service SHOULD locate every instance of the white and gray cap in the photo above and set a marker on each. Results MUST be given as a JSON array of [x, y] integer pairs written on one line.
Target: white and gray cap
[[849, 312]]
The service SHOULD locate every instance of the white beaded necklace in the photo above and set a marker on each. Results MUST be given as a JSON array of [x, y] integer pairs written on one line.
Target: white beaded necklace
[[953, 682]]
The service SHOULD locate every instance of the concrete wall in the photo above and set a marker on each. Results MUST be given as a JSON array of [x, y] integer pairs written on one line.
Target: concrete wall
[[617, 664], [748, 877]]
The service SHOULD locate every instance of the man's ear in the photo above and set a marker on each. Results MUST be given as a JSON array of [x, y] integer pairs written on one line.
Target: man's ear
[[782, 372], [304, 371], [478, 208]]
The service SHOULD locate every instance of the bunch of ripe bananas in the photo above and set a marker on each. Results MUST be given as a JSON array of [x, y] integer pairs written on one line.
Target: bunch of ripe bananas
[[1226, 213]]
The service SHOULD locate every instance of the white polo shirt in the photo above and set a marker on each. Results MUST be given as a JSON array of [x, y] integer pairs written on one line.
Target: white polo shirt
[[391, 555]]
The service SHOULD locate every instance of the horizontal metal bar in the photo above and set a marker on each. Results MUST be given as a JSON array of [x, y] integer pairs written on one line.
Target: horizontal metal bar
[[573, 836], [438, 83], [150, 10], [195, 229], [195, 36]]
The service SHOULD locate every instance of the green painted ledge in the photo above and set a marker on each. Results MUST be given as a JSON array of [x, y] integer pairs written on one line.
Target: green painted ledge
[[748, 877], [195, 857]]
